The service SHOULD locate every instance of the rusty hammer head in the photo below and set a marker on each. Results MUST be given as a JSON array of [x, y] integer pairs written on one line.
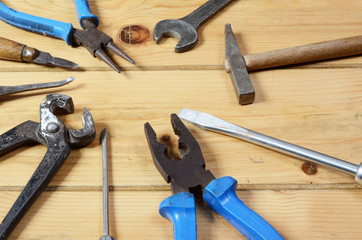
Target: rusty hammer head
[[234, 63]]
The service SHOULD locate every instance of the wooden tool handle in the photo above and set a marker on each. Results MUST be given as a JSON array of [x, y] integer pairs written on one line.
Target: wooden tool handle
[[305, 53], [14, 51]]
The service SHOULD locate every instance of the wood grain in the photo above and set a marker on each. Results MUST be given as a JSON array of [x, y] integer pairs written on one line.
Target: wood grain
[[306, 53], [317, 106], [259, 26], [296, 215], [10, 50], [317, 109]]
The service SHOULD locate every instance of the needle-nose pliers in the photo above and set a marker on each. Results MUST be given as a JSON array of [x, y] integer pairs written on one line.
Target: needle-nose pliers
[[92, 39], [187, 177]]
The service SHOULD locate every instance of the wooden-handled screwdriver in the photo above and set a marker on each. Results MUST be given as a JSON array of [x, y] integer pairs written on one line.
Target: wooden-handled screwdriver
[[14, 51], [239, 65]]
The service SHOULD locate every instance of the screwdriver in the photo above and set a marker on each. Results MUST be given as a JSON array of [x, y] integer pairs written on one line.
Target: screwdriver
[[7, 90], [14, 51], [105, 186], [211, 123]]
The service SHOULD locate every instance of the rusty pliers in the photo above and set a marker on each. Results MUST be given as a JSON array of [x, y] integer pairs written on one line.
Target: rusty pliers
[[95, 41], [51, 132], [188, 176]]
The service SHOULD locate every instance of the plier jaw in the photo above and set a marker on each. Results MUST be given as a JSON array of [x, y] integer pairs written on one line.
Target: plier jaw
[[187, 174], [96, 42], [187, 177]]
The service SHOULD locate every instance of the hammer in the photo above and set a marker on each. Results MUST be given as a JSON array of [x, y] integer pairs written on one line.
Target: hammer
[[239, 65]]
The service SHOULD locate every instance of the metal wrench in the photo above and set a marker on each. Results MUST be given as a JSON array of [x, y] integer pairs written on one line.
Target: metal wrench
[[185, 29]]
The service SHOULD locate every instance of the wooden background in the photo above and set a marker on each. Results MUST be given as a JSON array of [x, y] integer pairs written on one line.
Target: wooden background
[[317, 106]]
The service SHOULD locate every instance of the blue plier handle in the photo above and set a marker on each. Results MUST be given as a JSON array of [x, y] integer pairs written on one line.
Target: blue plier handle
[[91, 38], [187, 177], [83, 12]]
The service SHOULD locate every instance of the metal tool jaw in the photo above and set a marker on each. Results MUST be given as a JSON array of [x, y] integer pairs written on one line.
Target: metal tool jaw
[[176, 28], [96, 42], [234, 63], [185, 29], [187, 174], [51, 132], [90, 38]]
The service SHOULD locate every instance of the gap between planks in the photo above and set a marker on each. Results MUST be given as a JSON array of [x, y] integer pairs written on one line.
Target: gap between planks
[[241, 187], [178, 67]]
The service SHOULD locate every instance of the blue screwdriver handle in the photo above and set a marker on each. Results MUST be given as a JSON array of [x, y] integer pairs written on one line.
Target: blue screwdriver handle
[[221, 197], [83, 11], [36, 24], [180, 210]]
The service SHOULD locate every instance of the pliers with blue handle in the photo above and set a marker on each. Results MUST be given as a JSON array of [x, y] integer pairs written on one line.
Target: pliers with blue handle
[[92, 39], [187, 177]]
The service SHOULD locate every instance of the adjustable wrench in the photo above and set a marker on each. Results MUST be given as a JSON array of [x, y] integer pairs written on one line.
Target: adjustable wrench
[[185, 29]]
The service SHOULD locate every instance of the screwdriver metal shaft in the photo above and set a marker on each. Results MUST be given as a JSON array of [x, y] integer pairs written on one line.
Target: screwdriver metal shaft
[[211, 123], [105, 186], [7, 90]]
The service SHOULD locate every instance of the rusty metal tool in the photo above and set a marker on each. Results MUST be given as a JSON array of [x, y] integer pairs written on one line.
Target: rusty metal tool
[[14, 51], [105, 188], [188, 177], [51, 132], [239, 65], [7, 90], [95, 41], [185, 29], [211, 123]]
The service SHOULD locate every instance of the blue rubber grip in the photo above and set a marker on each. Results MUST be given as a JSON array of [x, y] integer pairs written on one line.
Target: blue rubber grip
[[180, 210], [36, 24], [221, 197], [83, 11]]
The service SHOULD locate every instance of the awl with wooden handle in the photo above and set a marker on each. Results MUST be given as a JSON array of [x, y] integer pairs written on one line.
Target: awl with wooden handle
[[239, 65], [14, 51]]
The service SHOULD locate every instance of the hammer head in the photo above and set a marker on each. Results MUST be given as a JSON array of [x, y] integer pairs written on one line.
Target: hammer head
[[183, 31], [239, 74]]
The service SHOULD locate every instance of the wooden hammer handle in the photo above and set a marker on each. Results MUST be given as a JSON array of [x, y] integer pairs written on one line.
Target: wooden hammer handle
[[14, 51], [305, 53]]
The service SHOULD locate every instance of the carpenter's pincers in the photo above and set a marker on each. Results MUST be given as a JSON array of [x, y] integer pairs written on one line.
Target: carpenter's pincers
[[51, 132]]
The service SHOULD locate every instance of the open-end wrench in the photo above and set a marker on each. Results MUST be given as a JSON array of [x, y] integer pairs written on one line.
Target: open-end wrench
[[185, 29]]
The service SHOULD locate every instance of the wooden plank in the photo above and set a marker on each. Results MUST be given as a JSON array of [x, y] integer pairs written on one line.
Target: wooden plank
[[309, 105], [323, 214], [317, 109], [259, 25]]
